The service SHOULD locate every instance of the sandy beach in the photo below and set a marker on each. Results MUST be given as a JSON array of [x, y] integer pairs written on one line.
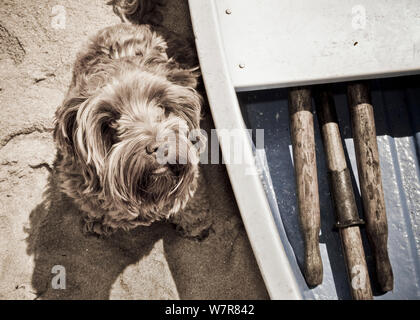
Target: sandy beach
[[40, 227]]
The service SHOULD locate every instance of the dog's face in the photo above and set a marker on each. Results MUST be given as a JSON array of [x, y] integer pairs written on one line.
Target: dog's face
[[140, 134]]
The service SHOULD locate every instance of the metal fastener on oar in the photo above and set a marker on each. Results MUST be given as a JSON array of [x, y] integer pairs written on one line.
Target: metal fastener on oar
[[348, 220], [367, 156], [304, 158]]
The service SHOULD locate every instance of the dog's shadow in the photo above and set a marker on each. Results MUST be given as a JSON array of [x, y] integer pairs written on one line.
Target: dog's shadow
[[221, 266], [91, 264]]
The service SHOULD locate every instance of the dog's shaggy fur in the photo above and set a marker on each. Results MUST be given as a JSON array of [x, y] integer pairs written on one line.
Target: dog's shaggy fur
[[133, 94]]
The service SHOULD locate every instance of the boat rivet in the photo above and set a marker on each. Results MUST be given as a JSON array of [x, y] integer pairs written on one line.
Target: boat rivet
[[228, 11], [241, 65]]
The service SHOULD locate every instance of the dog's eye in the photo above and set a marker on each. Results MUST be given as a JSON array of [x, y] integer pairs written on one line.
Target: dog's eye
[[113, 124], [109, 133]]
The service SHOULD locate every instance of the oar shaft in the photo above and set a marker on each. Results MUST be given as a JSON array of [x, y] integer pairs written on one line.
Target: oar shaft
[[348, 220], [367, 156], [304, 158]]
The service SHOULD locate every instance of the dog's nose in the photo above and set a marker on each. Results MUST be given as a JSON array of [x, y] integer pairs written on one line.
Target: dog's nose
[[152, 148]]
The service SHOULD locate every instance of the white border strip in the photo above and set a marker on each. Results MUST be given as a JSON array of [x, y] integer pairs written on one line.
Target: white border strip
[[248, 189]]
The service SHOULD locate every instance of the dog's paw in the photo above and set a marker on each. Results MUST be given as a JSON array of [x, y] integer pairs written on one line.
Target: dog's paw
[[94, 227], [197, 233]]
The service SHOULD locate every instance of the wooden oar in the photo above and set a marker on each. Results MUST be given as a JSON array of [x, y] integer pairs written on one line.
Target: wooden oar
[[367, 156], [304, 158], [348, 220]]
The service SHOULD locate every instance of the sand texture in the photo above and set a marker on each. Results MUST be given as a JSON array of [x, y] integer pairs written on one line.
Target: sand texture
[[40, 228]]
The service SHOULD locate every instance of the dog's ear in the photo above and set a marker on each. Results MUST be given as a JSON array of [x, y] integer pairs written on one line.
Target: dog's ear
[[184, 77], [185, 103], [65, 120], [95, 132], [189, 101]]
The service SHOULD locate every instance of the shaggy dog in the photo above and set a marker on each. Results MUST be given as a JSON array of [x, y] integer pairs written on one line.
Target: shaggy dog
[[128, 129]]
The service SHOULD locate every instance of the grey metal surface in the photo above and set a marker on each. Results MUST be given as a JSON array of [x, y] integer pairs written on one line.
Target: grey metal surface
[[397, 114], [352, 37]]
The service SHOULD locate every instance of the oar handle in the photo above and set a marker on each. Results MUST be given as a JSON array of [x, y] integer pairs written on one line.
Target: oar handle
[[367, 156], [347, 216], [304, 158]]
